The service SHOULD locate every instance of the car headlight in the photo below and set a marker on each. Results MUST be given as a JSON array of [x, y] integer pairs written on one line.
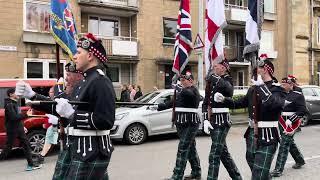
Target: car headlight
[[121, 116]]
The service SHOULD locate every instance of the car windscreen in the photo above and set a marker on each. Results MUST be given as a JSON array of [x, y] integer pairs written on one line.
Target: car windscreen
[[147, 97]]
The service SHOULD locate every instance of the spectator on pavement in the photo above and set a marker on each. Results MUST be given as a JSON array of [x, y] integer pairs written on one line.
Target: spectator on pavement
[[52, 131], [125, 94], [15, 129], [138, 92], [132, 92]]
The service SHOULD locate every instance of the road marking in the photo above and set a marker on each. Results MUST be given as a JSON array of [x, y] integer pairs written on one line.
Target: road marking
[[306, 159]]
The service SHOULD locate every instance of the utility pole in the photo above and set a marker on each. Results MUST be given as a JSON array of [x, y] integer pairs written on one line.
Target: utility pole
[[200, 53]]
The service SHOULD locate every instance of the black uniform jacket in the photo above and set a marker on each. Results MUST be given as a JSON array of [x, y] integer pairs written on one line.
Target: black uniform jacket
[[270, 103], [13, 118], [97, 115], [224, 86], [187, 102], [296, 104]]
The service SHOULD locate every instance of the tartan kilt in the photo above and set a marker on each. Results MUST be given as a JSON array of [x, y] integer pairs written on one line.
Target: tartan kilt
[[219, 152], [262, 162], [187, 134], [67, 167]]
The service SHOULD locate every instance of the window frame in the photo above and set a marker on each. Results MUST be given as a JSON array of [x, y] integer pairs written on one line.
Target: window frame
[[272, 39], [272, 2], [25, 14], [227, 36], [163, 35], [318, 30], [45, 67], [106, 17], [116, 66]]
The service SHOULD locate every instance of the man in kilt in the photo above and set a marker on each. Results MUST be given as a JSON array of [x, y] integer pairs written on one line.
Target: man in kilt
[[88, 145], [270, 102], [295, 108], [187, 122], [217, 121]]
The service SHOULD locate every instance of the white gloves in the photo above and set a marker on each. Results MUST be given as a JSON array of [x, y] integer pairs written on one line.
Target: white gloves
[[218, 97], [288, 123], [24, 89], [257, 82], [64, 108], [206, 126], [52, 119]]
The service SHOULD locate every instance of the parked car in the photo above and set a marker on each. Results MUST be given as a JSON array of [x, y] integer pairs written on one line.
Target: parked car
[[135, 124], [312, 96], [36, 133]]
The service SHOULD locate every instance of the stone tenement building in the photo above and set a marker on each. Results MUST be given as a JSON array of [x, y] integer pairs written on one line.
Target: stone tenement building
[[139, 37]]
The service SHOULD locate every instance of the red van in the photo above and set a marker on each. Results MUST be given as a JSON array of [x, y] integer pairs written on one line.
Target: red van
[[36, 133]]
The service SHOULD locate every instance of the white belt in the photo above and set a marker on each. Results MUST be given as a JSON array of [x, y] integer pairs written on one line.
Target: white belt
[[80, 132], [251, 122], [287, 113], [180, 109], [263, 124], [220, 110]]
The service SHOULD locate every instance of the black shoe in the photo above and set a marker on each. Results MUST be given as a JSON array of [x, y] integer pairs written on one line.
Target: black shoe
[[192, 177], [40, 159], [298, 165], [276, 173]]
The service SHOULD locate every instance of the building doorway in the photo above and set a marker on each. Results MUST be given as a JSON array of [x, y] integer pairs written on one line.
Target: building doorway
[[169, 75], [240, 81]]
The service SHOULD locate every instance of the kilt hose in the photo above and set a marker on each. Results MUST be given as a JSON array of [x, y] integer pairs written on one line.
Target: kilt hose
[[219, 151], [287, 145], [260, 159], [69, 168], [186, 152]]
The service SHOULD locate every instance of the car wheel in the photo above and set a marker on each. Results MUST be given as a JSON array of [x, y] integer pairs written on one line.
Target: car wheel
[[304, 120], [36, 139], [135, 134]]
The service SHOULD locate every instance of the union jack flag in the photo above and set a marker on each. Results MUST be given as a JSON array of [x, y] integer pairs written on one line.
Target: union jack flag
[[183, 44]]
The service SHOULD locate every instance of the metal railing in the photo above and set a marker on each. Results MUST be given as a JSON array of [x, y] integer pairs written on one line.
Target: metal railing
[[232, 4], [234, 53], [107, 41], [129, 3]]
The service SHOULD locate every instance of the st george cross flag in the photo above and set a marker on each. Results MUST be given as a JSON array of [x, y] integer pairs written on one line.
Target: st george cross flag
[[215, 22], [183, 44], [252, 43], [63, 27]]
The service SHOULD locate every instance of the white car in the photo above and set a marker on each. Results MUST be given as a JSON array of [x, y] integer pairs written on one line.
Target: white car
[[134, 124]]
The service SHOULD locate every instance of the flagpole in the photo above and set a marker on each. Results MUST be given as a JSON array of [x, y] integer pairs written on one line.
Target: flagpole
[[253, 56], [61, 132], [200, 55], [58, 61]]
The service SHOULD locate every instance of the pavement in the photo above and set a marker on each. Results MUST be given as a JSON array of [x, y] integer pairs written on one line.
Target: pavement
[[239, 119]]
